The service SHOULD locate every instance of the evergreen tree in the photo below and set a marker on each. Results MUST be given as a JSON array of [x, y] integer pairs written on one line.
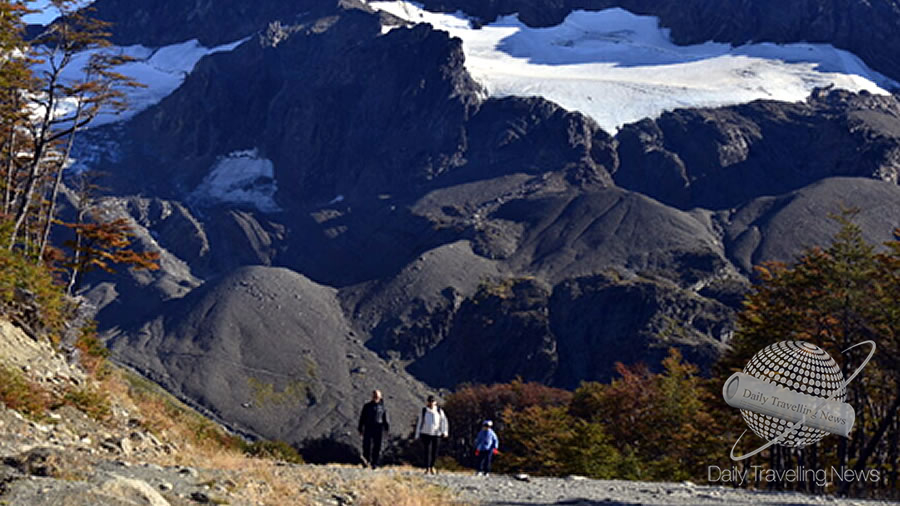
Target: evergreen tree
[[834, 298]]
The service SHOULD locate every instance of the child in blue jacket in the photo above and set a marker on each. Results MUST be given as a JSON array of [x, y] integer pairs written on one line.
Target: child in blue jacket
[[486, 445]]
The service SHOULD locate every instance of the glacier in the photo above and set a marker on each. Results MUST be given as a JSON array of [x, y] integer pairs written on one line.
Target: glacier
[[617, 67]]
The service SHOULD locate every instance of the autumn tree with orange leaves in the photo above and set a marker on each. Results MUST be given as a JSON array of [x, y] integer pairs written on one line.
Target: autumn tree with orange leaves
[[54, 87], [102, 244], [51, 88], [836, 297], [642, 425]]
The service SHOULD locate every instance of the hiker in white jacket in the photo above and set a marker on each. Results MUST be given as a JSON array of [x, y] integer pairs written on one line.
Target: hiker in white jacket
[[432, 426]]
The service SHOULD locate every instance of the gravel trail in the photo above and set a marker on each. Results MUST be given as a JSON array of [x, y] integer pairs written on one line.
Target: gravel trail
[[505, 490]]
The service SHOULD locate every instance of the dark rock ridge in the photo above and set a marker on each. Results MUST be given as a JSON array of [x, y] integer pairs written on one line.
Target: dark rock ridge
[[718, 158], [607, 288], [592, 314], [342, 110], [163, 22], [307, 91], [781, 227], [865, 28], [504, 315], [519, 327]]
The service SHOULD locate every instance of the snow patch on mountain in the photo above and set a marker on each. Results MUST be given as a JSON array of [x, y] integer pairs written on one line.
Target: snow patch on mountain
[[241, 177], [159, 70], [617, 67]]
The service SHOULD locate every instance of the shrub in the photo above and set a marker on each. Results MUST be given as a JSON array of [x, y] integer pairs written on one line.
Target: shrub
[[548, 440], [20, 394], [471, 404], [276, 450], [661, 420], [93, 351], [329, 449], [92, 402], [29, 291], [163, 413], [642, 425]]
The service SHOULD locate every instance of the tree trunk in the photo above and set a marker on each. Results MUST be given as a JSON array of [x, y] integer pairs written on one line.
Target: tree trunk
[[76, 255], [10, 169], [869, 449], [51, 210], [40, 145], [892, 455]]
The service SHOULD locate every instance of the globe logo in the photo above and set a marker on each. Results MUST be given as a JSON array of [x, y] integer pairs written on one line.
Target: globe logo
[[792, 394], [799, 367]]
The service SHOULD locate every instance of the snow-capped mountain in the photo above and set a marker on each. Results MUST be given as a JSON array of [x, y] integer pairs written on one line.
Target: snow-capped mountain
[[618, 68], [611, 65], [350, 194]]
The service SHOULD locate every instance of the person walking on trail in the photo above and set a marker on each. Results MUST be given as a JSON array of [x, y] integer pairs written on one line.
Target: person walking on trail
[[486, 446], [373, 424], [432, 426]]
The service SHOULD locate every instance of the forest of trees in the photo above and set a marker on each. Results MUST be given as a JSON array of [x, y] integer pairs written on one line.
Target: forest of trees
[[673, 424], [51, 88]]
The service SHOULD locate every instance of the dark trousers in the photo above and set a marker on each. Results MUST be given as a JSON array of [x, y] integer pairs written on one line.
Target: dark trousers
[[484, 460], [431, 447], [372, 445]]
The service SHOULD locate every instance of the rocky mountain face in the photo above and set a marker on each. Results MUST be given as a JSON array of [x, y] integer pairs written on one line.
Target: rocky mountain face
[[269, 352], [863, 28], [396, 229], [693, 158], [160, 23]]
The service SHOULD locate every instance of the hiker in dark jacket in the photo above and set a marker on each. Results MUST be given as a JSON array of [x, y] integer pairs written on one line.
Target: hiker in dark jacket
[[373, 424]]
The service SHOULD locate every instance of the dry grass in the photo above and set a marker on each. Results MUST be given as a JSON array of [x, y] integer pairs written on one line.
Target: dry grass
[[162, 414], [90, 401], [266, 483], [383, 490], [202, 444]]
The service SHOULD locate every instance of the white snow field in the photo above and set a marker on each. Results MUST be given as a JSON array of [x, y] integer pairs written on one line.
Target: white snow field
[[617, 67], [242, 177], [43, 15], [160, 70]]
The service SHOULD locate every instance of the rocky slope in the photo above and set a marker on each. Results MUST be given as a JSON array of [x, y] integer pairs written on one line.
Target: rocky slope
[[71, 456], [719, 158], [328, 197], [271, 353], [133, 444]]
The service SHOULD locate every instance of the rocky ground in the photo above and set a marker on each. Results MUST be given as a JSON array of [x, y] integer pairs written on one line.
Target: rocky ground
[[131, 449], [75, 461], [576, 490]]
